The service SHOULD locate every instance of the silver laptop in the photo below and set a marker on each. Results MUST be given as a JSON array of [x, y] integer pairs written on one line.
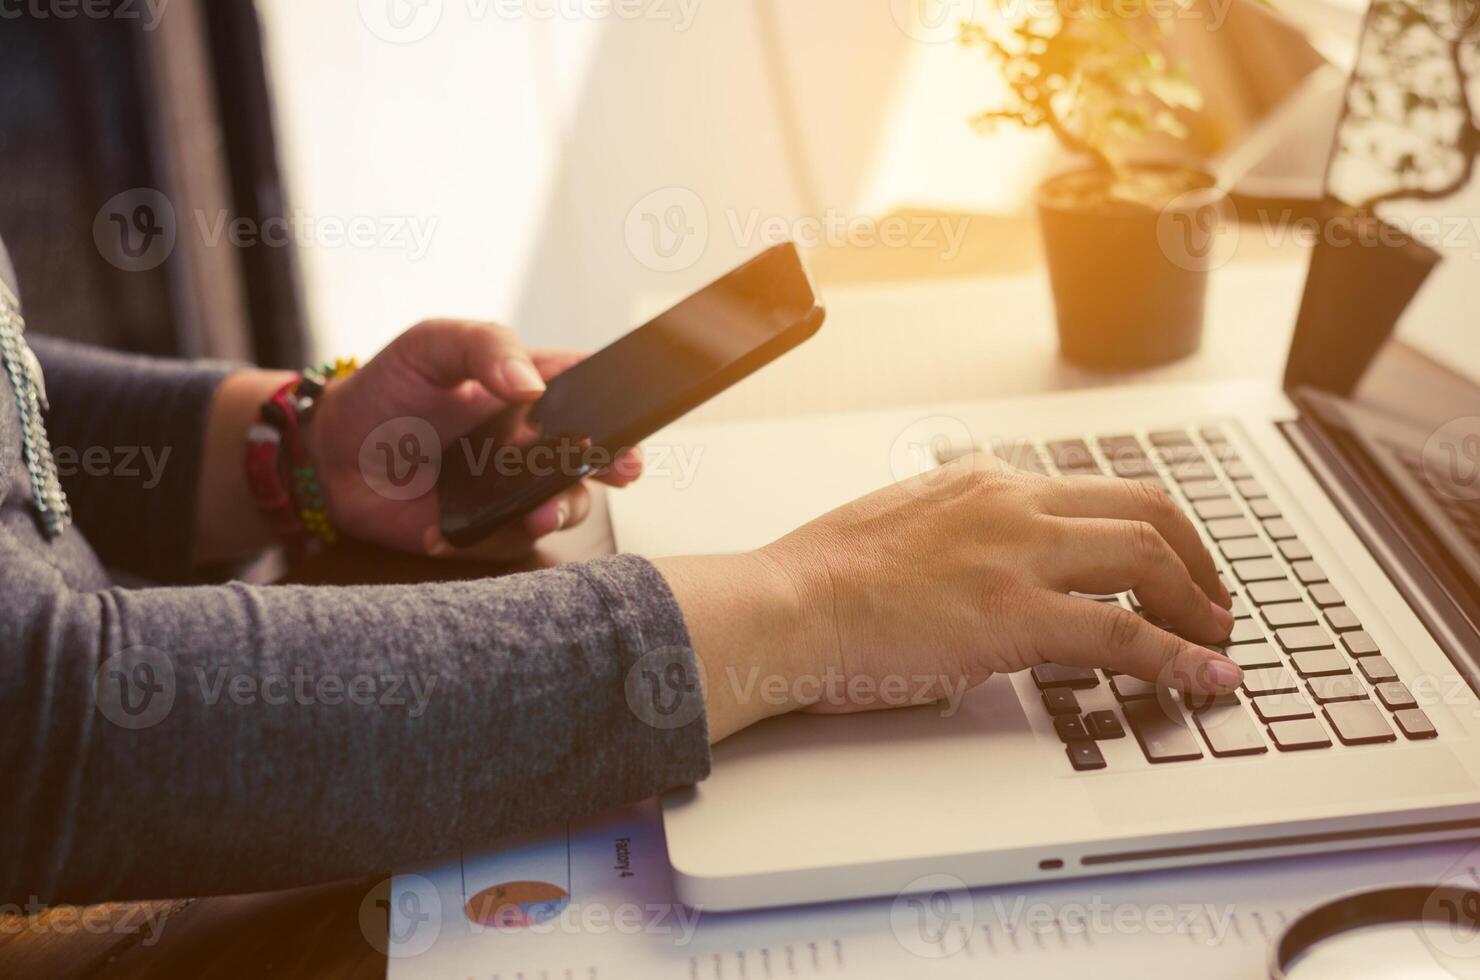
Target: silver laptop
[[1344, 512]]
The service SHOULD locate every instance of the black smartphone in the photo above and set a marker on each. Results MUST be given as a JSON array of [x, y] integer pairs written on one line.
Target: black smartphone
[[624, 393]]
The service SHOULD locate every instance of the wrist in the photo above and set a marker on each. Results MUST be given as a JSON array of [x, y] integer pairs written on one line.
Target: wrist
[[227, 523], [748, 632]]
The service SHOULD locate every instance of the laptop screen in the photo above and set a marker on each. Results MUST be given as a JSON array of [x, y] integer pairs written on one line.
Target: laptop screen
[[1386, 357], [1398, 254]]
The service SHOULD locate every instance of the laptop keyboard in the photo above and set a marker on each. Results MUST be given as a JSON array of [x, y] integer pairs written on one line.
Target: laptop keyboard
[[1312, 676]]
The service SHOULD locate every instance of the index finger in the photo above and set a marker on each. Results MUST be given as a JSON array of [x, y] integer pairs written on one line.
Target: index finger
[[449, 352], [1084, 633]]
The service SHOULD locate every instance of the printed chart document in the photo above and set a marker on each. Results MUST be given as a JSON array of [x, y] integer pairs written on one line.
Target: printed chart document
[[593, 900]]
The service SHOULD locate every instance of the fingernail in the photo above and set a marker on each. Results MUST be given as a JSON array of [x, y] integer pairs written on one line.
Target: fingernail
[[1223, 617], [521, 376], [562, 514], [1225, 673]]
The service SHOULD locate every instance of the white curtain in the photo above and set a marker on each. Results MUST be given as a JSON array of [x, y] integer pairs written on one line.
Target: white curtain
[[509, 141]]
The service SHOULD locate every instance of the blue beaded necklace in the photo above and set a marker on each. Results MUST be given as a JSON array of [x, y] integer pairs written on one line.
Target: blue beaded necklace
[[29, 387]]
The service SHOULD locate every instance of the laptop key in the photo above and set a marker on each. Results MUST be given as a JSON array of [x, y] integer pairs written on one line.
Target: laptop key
[[1239, 609], [1072, 454], [1309, 572], [1163, 738], [1245, 631], [1282, 707], [1203, 490], [1192, 470], [1217, 509], [1128, 688], [1302, 733], [1360, 644], [1236, 469], [1200, 701], [1324, 594], [1279, 529], [1294, 550], [1084, 756], [1340, 687], [1258, 570], [1320, 663], [1377, 669], [1169, 437], [1270, 680], [1250, 656], [1342, 620], [1057, 675], [1358, 723], [1230, 527], [1173, 455], [1060, 701], [1264, 593], [1104, 724], [1229, 731], [1070, 728], [1249, 489], [1283, 614], [1395, 696], [1415, 724], [1264, 508], [1240, 548], [1295, 638]]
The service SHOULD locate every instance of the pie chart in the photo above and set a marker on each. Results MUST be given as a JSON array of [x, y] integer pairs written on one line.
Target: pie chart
[[516, 904]]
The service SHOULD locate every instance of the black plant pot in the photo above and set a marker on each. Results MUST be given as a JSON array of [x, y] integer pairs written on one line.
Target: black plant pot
[[1129, 279]]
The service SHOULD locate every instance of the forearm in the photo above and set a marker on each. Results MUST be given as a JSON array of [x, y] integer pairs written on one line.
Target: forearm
[[310, 734], [227, 523]]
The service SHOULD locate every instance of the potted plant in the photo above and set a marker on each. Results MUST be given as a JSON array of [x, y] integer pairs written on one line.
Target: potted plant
[[1128, 243]]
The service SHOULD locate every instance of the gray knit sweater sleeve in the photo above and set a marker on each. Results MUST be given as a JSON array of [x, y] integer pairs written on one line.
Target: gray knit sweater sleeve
[[127, 433], [211, 739]]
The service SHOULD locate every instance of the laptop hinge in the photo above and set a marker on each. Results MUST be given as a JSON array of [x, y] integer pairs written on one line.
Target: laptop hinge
[[1445, 606]]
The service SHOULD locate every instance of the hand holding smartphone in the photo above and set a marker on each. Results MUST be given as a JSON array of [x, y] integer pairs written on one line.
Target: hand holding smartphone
[[624, 393]]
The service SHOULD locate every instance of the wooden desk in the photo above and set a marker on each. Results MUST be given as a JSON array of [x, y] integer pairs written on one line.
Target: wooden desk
[[891, 344]]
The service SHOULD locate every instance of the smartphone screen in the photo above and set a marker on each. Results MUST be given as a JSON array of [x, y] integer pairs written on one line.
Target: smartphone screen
[[625, 392]]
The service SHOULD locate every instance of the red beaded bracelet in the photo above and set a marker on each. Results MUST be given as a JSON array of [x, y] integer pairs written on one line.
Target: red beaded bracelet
[[280, 475]]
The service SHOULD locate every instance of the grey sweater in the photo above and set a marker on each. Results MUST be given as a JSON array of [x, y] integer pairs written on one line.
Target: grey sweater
[[190, 739]]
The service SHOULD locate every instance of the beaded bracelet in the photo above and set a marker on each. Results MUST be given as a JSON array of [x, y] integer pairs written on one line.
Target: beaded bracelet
[[280, 475]]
